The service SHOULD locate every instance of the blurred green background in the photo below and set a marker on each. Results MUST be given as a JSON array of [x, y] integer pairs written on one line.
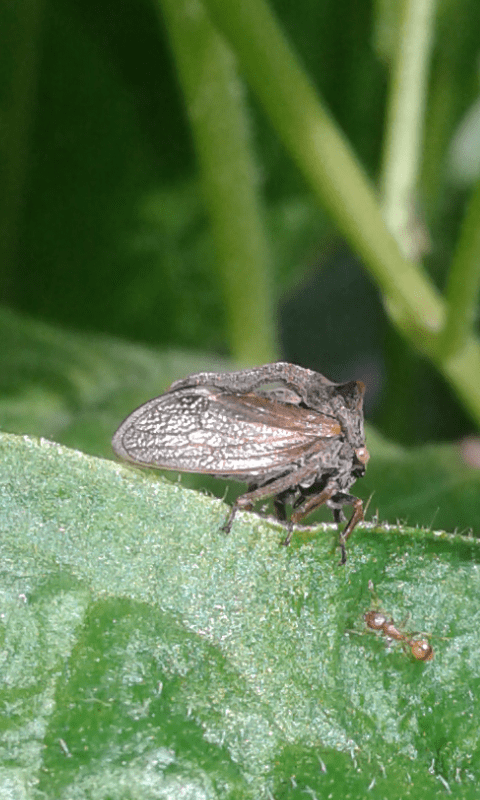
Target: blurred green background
[[103, 211]]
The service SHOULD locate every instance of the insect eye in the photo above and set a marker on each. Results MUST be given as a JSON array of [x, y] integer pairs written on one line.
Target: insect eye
[[362, 455]]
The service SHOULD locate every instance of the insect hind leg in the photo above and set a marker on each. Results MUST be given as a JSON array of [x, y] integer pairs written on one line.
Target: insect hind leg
[[276, 487]]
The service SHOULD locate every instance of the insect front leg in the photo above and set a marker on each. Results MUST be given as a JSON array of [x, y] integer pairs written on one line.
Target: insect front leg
[[357, 516], [339, 499]]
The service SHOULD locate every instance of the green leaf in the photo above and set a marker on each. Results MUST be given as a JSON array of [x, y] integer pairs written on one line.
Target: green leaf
[[145, 654]]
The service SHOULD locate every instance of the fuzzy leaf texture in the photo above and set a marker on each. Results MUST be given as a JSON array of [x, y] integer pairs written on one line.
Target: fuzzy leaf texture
[[145, 654]]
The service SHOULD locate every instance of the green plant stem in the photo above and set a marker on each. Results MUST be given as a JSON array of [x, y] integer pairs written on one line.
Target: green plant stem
[[327, 162], [408, 59], [463, 282], [215, 104], [462, 371], [406, 112], [440, 123], [330, 167]]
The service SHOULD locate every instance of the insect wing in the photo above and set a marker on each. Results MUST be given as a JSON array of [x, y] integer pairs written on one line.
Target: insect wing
[[259, 409], [209, 431]]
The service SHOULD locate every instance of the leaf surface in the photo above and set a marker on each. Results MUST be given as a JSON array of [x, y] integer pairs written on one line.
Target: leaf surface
[[146, 654]]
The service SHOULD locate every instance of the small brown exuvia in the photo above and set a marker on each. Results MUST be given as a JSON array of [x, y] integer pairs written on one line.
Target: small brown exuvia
[[301, 441]]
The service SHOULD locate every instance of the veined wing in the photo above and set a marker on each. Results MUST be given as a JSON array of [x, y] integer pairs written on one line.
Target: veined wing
[[205, 430]]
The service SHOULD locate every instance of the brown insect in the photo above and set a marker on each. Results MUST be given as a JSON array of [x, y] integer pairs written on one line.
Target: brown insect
[[419, 648], [301, 443]]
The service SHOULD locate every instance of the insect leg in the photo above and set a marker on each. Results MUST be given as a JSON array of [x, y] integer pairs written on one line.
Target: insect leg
[[357, 516], [344, 499], [307, 507], [279, 506], [274, 487], [311, 503]]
